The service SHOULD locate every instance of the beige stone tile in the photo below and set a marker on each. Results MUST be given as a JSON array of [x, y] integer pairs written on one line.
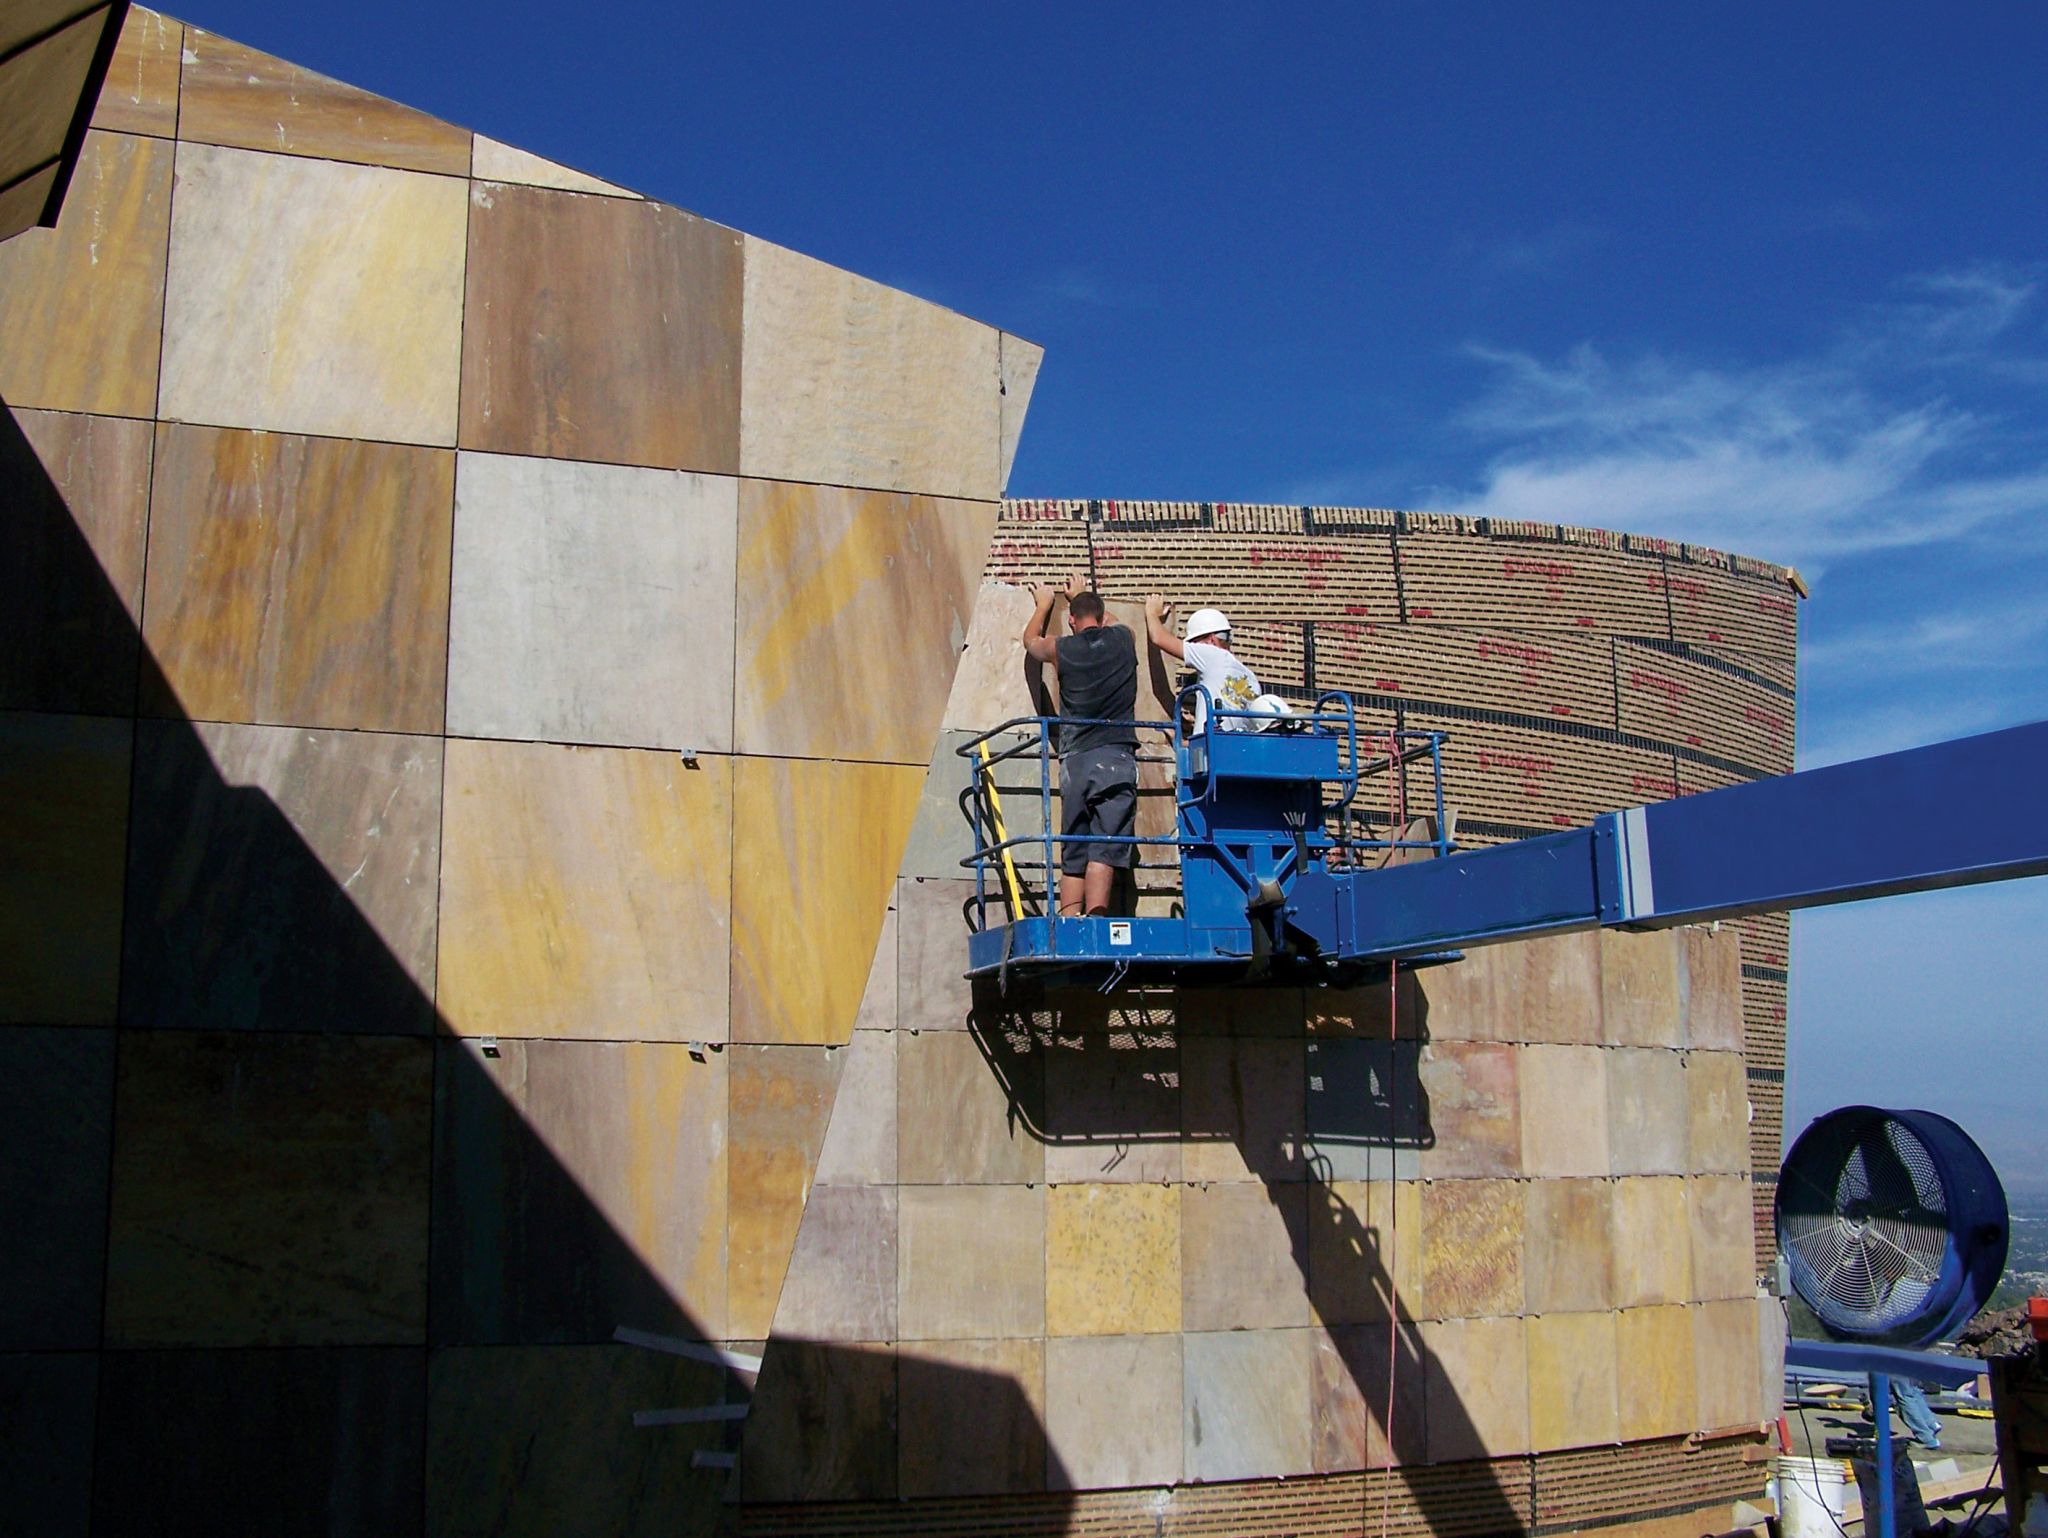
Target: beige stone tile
[[821, 1425], [345, 319], [1725, 1357], [779, 1100], [236, 96], [933, 920], [823, 572], [1020, 363], [971, 1262], [1471, 1248], [842, 1280], [1652, 1242], [491, 161], [81, 305], [1471, 1110], [1243, 1114], [578, 1186], [814, 852], [1640, 980], [1461, 1001], [298, 581], [1723, 1237], [1568, 1245], [1112, 1411], [1572, 1371], [1363, 1108], [1349, 1406], [282, 879], [1654, 1364], [972, 1417], [1717, 1092], [1365, 1250], [269, 1191], [600, 329], [961, 1121], [878, 1001], [1549, 990], [849, 383], [141, 91], [1713, 988], [860, 1139], [64, 824], [1365, 1012], [592, 603], [1244, 1257], [1564, 1111], [583, 893], [524, 1440], [1646, 1107], [1477, 1377], [1246, 1404], [1112, 1259]]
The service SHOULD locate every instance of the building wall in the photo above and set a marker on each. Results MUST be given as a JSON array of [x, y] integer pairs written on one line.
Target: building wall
[[470, 898], [448, 811]]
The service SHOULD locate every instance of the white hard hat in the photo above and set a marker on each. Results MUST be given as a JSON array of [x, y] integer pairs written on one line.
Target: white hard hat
[[1205, 622]]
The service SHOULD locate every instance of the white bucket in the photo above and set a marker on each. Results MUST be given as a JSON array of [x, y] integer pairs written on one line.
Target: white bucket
[[1812, 1495]]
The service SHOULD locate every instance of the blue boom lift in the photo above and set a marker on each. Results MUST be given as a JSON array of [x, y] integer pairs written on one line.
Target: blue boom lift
[[1268, 892]]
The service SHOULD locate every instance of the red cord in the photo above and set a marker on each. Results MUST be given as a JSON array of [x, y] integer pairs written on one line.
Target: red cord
[[1398, 817]]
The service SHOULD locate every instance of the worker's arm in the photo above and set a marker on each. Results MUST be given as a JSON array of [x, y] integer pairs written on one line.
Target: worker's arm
[[1037, 644], [1157, 612]]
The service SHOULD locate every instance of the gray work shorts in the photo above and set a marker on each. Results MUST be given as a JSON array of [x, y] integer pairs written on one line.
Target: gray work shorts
[[1098, 799]]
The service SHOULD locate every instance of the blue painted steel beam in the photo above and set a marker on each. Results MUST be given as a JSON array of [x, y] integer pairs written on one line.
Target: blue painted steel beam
[[1841, 1360], [1949, 815]]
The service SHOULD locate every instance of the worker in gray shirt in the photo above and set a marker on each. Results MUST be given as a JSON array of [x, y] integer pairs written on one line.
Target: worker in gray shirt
[[1097, 664]]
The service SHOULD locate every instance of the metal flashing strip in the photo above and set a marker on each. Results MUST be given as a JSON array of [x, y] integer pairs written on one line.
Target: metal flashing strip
[[696, 1351], [696, 1415]]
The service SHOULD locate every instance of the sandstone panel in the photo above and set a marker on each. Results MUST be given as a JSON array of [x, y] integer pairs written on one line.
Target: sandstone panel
[[1112, 1259]]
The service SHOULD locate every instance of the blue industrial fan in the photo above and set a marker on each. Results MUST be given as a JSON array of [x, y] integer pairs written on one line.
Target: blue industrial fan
[[1893, 1227], [1893, 1224]]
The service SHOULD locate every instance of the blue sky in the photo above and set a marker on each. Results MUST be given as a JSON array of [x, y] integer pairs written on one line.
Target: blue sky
[[1769, 278]]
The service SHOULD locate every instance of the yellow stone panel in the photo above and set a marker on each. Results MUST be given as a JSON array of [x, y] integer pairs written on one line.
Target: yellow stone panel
[[1571, 1381], [814, 852], [779, 1100], [141, 92], [81, 306], [1654, 1357], [1112, 1260], [344, 318], [584, 893], [853, 608]]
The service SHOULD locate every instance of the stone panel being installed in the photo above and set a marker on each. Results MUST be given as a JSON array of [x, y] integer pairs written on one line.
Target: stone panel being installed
[[584, 893], [824, 575], [601, 329], [236, 96], [99, 275], [345, 319], [592, 603], [323, 1241], [298, 581], [851, 384]]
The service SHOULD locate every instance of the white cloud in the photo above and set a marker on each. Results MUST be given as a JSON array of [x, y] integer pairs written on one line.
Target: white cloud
[[1856, 448]]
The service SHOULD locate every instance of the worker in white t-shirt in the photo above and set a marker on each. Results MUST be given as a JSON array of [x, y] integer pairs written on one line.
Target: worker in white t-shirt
[[1207, 650]]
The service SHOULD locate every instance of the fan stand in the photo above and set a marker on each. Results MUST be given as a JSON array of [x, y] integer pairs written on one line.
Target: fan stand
[[1882, 1363]]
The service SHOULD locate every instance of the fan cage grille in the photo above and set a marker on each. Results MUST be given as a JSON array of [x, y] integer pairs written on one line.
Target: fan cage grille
[[1871, 1228]]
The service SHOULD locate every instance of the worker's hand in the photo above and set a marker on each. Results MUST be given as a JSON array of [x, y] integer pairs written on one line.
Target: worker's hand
[[1157, 607], [1044, 594], [1076, 585]]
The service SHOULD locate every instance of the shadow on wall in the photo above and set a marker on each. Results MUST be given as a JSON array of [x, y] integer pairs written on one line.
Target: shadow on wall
[[302, 1263], [1197, 1068]]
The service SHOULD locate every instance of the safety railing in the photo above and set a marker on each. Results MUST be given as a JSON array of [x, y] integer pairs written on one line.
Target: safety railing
[[997, 851]]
